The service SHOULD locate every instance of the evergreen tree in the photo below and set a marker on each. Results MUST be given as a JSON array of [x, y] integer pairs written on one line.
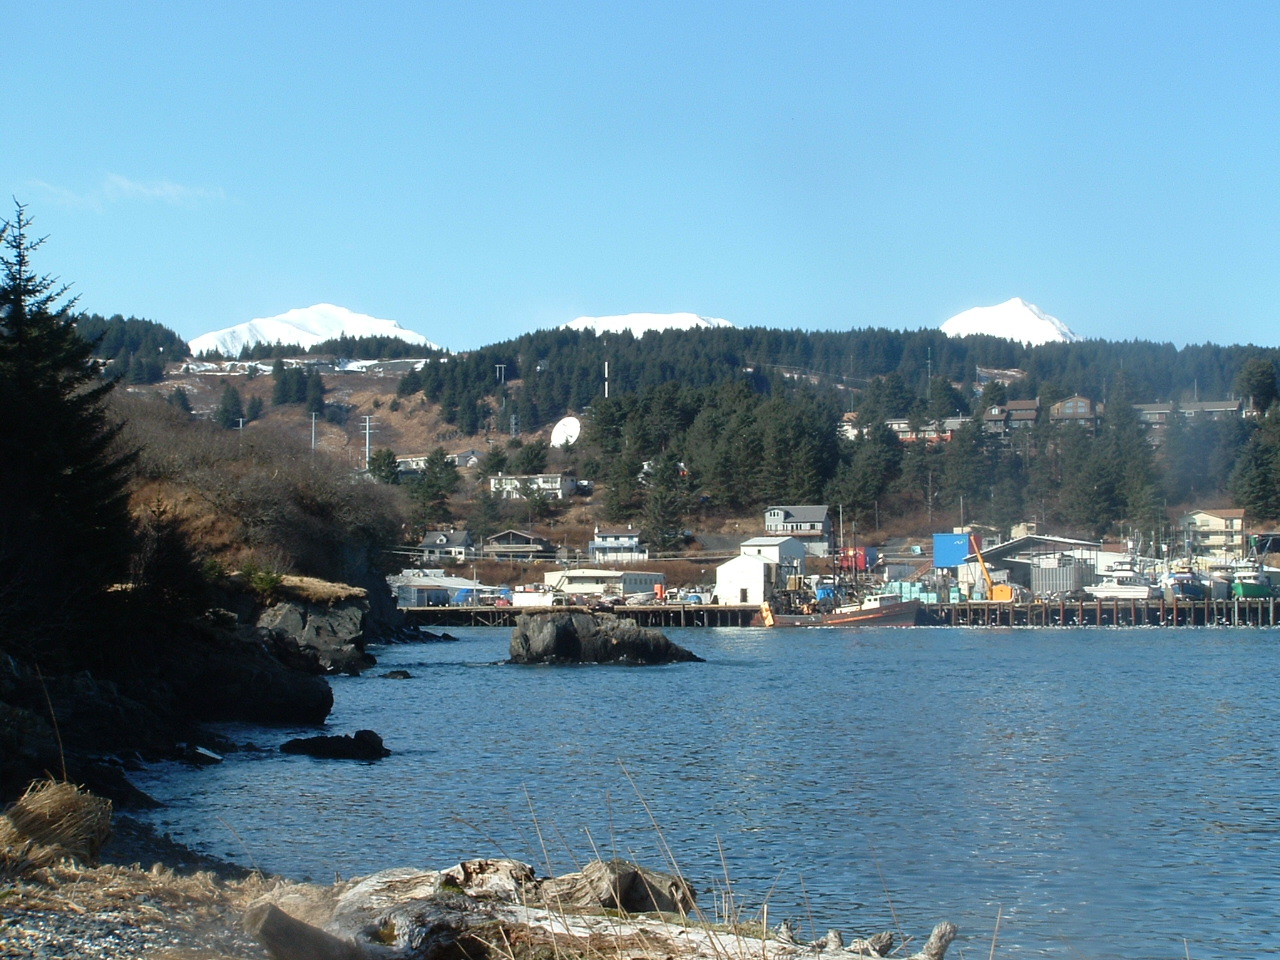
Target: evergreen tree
[[253, 409], [65, 529], [430, 492], [382, 466], [486, 515], [530, 458], [229, 413], [178, 398]]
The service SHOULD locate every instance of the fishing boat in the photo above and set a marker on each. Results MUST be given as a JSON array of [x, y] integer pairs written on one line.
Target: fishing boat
[[877, 609], [1124, 582], [1251, 581], [1183, 583]]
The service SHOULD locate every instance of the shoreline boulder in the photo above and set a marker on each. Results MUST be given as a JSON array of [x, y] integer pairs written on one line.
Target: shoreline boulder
[[591, 638], [363, 745]]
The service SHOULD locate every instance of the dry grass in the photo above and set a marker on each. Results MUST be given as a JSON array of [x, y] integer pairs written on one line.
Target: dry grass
[[313, 590], [53, 821]]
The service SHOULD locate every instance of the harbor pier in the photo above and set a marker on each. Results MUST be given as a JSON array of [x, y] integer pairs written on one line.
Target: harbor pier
[[1155, 612]]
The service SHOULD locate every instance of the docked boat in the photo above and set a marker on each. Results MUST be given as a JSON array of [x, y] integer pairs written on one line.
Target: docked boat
[[1124, 582], [1183, 583], [1251, 582], [877, 609]]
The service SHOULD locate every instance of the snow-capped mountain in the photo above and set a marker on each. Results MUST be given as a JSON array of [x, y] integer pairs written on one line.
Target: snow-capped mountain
[[1013, 320], [306, 326], [641, 323]]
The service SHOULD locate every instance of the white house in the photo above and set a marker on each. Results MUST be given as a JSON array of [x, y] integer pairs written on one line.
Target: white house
[[747, 578], [809, 524], [448, 545], [786, 552], [555, 486], [612, 583], [617, 546]]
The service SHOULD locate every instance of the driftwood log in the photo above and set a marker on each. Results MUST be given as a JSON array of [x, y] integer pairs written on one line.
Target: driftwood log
[[611, 909]]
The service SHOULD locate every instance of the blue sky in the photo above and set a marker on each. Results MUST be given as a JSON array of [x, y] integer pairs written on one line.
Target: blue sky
[[478, 170]]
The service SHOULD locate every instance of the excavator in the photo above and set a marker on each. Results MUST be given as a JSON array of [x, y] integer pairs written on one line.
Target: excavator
[[996, 592]]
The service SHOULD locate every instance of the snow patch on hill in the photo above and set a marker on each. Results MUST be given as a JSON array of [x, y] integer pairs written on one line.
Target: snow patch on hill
[[306, 326], [1013, 320], [641, 323]]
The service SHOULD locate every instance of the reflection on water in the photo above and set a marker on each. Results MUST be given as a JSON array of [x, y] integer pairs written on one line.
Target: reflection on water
[[1112, 792]]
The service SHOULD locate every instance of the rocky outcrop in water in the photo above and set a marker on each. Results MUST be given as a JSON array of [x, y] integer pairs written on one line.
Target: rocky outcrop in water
[[591, 638], [362, 745], [318, 637]]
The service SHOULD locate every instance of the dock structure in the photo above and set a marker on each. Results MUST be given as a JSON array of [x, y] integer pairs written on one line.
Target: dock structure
[[655, 615], [1156, 612]]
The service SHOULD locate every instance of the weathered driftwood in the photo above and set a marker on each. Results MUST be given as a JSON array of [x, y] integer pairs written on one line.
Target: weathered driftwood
[[288, 939], [618, 885], [610, 909]]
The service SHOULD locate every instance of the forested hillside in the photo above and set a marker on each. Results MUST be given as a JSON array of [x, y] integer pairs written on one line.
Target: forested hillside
[[135, 351], [730, 420]]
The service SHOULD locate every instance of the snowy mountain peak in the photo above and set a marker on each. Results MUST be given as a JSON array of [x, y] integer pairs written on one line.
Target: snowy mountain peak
[[641, 323], [1013, 320], [306, 326]]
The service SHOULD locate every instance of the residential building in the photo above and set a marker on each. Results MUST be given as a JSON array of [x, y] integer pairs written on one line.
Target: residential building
[[810, 524], [518, 545], [1214, 531], [1159, 414], [617, 546], [1076, 409], [554, 486], [454, 545]]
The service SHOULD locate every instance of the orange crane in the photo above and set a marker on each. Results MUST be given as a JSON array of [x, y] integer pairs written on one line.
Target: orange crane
[[998, 592]]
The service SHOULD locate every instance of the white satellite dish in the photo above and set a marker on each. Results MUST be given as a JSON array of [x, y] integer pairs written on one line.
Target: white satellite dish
[[565, 432]]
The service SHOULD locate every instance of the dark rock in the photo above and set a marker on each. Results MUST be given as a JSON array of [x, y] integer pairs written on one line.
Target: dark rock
[[398, 675], [364, 745], [591, 638], [318, 638], [229, 676]]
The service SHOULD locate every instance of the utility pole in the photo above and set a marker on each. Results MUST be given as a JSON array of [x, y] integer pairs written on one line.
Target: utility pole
[[368, 433], [313, 431], [606, 379]]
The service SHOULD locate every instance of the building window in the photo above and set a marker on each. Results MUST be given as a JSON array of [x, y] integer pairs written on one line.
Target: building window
[[742, 595]]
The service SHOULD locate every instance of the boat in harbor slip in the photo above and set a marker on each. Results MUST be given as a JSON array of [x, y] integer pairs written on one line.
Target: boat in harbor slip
[[1183, 583], [877, 609], [1125, 581], [1250, 581]]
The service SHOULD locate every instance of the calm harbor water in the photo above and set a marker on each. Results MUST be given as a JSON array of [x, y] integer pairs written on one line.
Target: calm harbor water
[[1109, 792]]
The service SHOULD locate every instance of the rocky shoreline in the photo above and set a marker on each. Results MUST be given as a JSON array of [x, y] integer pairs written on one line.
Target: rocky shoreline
[[192, 906]]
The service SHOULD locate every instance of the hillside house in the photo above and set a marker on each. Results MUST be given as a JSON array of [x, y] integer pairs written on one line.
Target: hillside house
[[617, 546], [453, 545], [518, 545], [1014, 415], [554, 486], [1214, 531], [1159, 414], [1076, 409], [465, 460], [811, 525]]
